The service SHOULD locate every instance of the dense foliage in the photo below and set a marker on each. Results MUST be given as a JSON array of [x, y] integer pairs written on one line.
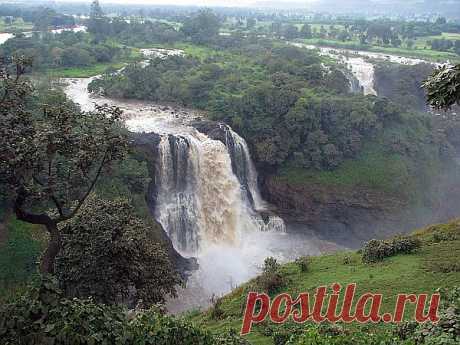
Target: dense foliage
[[44, 316], [377, 250], [112, 256], [66, 49], [290, 108], [52, 153], [402, 83], [443, 87]]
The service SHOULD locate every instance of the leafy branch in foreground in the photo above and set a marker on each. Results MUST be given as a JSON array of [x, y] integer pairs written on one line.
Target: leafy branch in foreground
[[52, 154], [443, 87]]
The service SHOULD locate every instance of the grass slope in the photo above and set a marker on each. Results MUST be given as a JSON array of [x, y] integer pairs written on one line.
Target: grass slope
[[19, 256], [421, 272]]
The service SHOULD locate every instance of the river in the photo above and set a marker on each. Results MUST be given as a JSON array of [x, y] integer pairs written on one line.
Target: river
[[207, 200], [361, 64], [5, 36]]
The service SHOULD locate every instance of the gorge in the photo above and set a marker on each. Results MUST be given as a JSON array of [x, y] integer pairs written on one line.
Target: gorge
[[205, 194]]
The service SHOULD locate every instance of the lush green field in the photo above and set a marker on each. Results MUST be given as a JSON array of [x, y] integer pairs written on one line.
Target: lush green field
[[372, 169], [18, 25], [19, 255], [420, 272]]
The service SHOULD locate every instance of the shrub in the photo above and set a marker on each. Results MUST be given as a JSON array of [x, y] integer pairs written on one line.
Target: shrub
[[447, 267], [404, 245], [271, 280], [377, 250], [216, 310], [347, 260], [447, 330], [271, 265], [313, 336], [440, 236], [150, 327], [303, 263], [44, 316], [230, 337]]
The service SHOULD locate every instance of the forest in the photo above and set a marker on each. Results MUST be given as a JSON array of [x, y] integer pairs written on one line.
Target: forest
[[149, 154]]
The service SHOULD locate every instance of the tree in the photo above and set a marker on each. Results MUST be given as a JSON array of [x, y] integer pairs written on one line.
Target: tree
[[306, 32], [52, 154], [203, 27], [251, 23], [110, 254], [98, 25], [73, 56], [96, 10], [443, 87], [290, 32]]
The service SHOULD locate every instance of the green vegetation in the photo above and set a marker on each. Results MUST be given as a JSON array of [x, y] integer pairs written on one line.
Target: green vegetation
[[83, 72], [16, 25], [19, 255], [114, 257], [443, 87], [297, 116], [44, 315], [403, 273], [371, 168]]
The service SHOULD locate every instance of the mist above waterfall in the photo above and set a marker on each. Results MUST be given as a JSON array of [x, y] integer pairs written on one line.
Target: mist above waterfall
[[206, 197]]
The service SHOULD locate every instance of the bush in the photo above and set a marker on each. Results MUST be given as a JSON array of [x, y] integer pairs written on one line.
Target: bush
[[230, 337], [303, 263], [440, 236], [150, 327], [44, 316], [347, 260], [271, 265], [216, 310], [109, 254], [404, 245], [447, 330], [313, 336], [271, 280], [377, 250]]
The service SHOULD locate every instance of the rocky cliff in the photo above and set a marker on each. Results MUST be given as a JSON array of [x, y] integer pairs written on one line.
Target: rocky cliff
[[146, 144], [351, 216]]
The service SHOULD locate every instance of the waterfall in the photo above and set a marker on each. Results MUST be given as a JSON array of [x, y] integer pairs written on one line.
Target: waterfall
[[206, 191]]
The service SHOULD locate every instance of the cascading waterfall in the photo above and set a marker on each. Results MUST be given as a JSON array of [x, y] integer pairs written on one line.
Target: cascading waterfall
[[207, 191], [244, 169]]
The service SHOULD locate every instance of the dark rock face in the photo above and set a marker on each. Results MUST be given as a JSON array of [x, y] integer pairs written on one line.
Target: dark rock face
[[147, 143], [346, 216], [214, 130], [352, 216]]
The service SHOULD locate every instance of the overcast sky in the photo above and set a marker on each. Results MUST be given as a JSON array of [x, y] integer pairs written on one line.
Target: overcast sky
[[231, 3]]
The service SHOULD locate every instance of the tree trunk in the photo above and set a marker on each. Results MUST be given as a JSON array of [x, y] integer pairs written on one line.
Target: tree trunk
[[54, 246]]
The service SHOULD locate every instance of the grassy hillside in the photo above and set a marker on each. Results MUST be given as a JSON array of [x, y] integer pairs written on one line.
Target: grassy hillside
[[20, 250], [434, 265]]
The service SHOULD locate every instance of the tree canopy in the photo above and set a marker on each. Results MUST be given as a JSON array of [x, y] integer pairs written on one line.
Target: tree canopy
[[52, 153], [111, 255]]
